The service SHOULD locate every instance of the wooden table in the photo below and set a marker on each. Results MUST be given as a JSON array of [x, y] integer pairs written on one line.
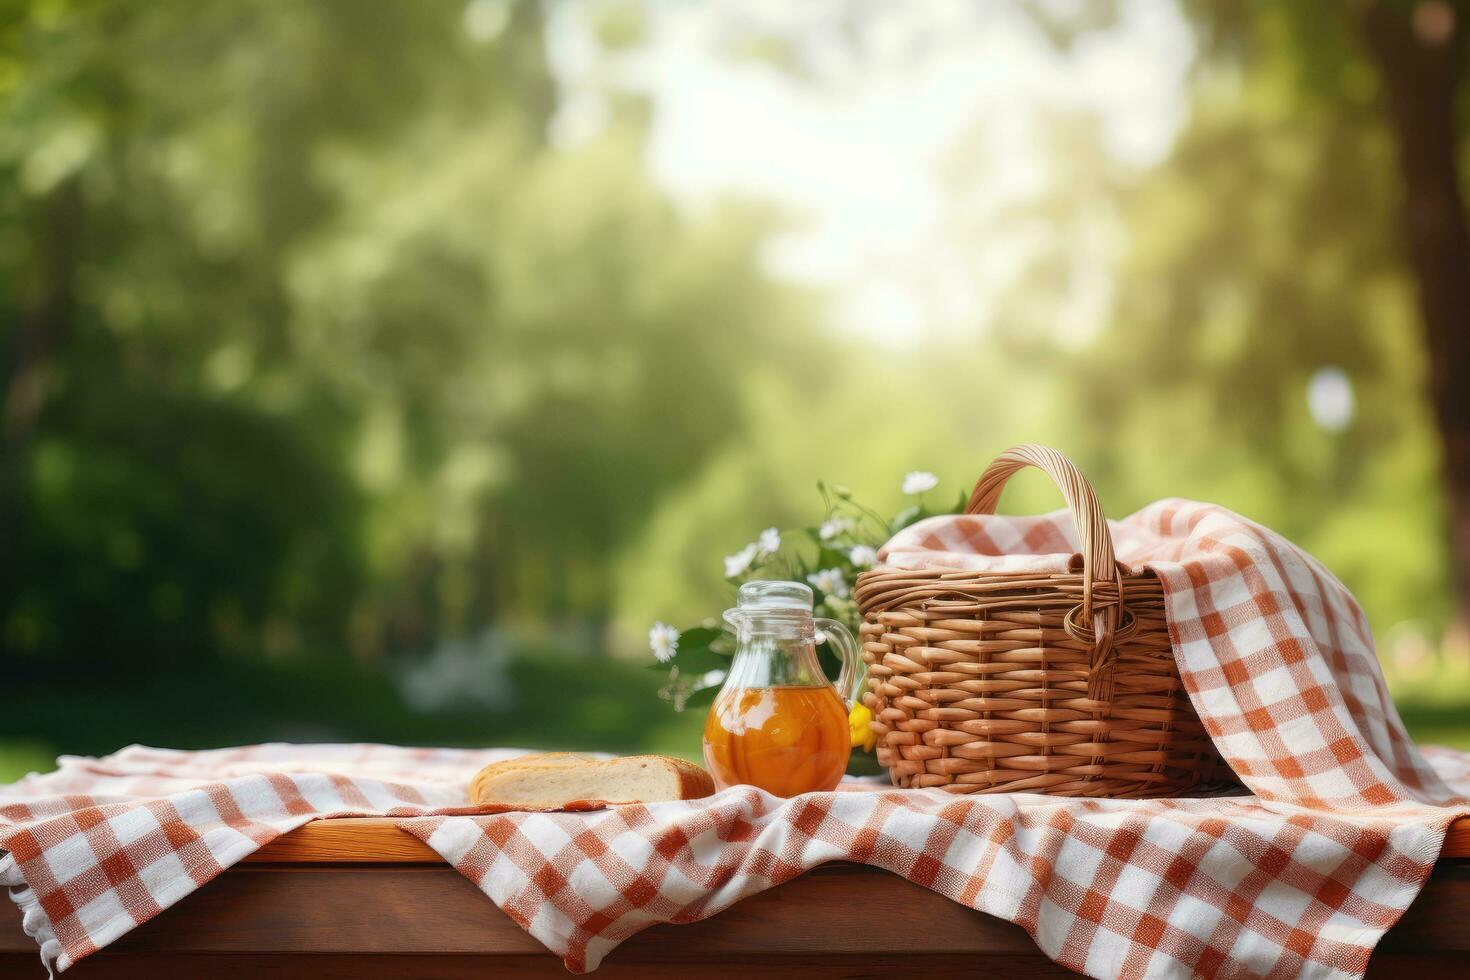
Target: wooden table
[[360, 898]]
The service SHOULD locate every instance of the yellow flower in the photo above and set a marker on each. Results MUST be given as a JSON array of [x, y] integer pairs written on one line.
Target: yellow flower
[[859, 724]]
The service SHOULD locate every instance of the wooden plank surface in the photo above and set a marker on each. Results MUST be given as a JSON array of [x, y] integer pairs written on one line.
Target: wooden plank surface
[[404, 920], [354, 840], [377, 840], [1394, 965], [458, 966]]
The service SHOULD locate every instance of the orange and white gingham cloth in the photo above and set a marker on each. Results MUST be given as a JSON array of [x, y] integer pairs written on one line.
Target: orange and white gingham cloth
[[1300, 879]]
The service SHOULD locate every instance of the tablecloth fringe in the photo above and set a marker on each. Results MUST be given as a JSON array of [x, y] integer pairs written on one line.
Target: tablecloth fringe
[[33, 918]]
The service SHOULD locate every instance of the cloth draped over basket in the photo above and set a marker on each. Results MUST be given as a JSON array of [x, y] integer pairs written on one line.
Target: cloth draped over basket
[[1345, 819], [1273, 652]]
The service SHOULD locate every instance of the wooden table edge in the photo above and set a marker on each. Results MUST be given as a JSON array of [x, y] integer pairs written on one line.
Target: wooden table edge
[[379, 840]]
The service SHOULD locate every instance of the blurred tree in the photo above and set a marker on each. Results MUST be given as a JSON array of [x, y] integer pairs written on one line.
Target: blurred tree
[[1370, 70], [313, 340], [158, 174], [1262, 258], [1423, 56]]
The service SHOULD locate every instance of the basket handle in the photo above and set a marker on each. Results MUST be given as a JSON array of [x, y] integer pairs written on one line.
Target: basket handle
[[1093, 537]]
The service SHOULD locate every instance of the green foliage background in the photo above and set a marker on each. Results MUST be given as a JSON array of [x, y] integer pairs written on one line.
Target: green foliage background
[[325, 370]]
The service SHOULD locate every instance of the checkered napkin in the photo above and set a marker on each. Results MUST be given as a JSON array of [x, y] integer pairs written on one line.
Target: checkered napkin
[[101, 845], [1275, 652], [1302, 878]]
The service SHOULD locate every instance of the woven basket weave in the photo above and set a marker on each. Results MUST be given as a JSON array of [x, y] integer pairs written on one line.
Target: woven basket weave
[[1064, 684]]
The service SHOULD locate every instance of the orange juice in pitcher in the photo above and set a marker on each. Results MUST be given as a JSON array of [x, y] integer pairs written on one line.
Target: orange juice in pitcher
[[778, 723]]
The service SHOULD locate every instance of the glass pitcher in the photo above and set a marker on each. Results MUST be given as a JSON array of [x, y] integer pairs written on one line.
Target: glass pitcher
[[778, 723]]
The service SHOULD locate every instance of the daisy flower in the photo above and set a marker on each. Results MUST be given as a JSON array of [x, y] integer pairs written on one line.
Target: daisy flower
[[663, 640], [769, 542], [834, 527], [739, 563], [862, 556], [829, 581], [918, 481]]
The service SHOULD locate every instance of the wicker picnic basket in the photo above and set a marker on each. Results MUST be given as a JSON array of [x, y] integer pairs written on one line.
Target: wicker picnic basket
[[1065, 684]]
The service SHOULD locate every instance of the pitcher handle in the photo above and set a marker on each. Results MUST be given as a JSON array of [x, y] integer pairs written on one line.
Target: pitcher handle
[[847, 649]]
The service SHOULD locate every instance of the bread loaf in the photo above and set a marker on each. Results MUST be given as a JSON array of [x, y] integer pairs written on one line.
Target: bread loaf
[[543, 782]]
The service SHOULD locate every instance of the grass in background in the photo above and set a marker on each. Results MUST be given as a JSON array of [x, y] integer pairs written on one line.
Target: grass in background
[[1430, 685], [556, 700], [23, 755]]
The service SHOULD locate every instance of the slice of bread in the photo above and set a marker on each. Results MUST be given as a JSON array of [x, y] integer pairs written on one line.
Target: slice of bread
[[556, 780], [538, 760]]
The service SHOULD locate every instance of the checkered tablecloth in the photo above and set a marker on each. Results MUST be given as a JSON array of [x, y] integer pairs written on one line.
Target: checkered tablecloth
[[1302, 878]]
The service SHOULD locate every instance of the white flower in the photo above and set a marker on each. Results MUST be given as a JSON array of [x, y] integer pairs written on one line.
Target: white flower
[[738, 563], [834, 527], [663, 640], [710, 678], [835, 607], [918, 481], [862, 556], [769, 542], [830, 582]]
